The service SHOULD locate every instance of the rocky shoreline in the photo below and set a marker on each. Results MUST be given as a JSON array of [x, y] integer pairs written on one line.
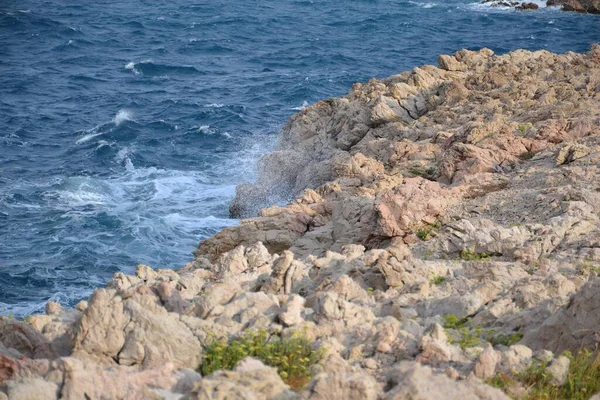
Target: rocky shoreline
[[580, 6], [444, 232]]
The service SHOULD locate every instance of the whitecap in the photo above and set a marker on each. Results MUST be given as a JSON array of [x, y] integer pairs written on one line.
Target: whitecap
[[205, 129], [122, 116], [103, 143], [131, 66], [90, 134], [300, 107], [424, 5], [214, 105], [88, 137], [121, 154], [129, 165]]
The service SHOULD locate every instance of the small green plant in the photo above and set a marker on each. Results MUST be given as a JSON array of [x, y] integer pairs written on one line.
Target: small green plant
[[451, 321], [428, 231], [469, 338], [470, 255], [438, 280], [506, 340], [429, 173], [293, 356], [588, 267], [530, 270], [524, 127], [583, 380], [370, 291]]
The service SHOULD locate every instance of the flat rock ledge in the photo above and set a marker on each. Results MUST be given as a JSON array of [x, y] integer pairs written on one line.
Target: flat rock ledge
[[444, 228]]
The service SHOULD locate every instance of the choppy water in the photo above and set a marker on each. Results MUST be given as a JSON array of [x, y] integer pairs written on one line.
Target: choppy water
[[125, 126]]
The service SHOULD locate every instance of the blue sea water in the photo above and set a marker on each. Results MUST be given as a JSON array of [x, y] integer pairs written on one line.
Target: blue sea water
[[125, 125]]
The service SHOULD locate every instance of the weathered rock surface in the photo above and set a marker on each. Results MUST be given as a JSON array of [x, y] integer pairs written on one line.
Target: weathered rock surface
[[438, 217]]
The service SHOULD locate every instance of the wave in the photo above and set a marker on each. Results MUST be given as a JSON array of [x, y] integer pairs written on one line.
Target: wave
[[91, 133], [122, 116], [150, 68], [300, 107], [423, 5]]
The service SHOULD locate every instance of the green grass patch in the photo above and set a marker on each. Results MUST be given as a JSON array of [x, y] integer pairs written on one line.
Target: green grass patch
[[428, 231], [438, 280], [583, 380], [524, 127], [471, 255], [468, 338], [588, 267], [293, 356], [427, 173], [505, 340], [451, 321]]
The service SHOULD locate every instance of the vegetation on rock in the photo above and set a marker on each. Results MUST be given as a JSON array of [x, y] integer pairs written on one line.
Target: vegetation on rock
[[582, 381], [293, 355]]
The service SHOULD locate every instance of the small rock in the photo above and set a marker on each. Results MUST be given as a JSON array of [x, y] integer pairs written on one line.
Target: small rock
[[527, 6], [559, 370], [437, 333], [516, 358], [53, 308], [452, 373], [543, 355], [369, 363], [292, 311], [384, 347], [82, 306], [485, 367], [145, 272]]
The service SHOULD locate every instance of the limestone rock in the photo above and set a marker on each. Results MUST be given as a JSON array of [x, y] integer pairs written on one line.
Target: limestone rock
[[291, 315], [485, 368], [250, 380], [36, 388], [412, 381], [559, 368], [343, 386], [573, 327]]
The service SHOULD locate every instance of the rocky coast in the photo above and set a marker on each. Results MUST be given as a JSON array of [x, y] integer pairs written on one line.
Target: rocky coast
[[435, 234], [580, 6]]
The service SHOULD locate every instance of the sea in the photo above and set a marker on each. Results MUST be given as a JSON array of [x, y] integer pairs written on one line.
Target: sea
[[126, 125]]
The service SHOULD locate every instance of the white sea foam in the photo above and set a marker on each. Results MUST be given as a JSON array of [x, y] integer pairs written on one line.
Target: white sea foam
[[300, 107], [131, 66], [121, 154], [214, 105], [122, 116], [493, 6], [90, 134], [206, 130]]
